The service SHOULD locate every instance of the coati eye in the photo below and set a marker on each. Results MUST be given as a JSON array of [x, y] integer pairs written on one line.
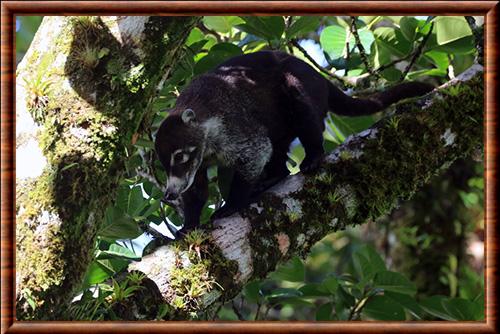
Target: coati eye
[[180, 158]]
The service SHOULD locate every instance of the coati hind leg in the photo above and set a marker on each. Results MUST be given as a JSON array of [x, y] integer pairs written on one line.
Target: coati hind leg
[[303, 101], [309, 127], [274, 171]]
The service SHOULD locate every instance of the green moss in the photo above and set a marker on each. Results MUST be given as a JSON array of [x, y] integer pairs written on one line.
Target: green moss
[[85, 128]]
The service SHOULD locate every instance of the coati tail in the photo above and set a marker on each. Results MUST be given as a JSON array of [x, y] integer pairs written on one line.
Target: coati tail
[[342, 104]]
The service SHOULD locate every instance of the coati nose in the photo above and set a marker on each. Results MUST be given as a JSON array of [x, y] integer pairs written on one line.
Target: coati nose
[[169, 197]]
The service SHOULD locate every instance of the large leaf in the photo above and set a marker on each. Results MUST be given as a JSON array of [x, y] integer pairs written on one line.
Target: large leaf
[[462, 309], [303, 25], [252, 291], [118, 225], [135, 201], [324, 312], [101, 270], [367, 263], [333, 40], [267, 27], [393, 39], [314, 290], [292, 271], [218, 54], [451, 28], [408, 26], [222, 24], [383, 308], [407, 302], [434, 306], [118, 251], [395, 282], [331, 284]]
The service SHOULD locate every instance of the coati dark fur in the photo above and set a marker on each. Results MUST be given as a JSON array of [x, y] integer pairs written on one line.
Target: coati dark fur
[[244, 114]]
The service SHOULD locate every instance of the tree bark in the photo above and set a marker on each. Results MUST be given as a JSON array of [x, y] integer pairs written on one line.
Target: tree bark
[[83, 89], [358, 182]]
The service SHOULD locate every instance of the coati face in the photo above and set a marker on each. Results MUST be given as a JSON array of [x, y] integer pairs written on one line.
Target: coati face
[[180, 146]]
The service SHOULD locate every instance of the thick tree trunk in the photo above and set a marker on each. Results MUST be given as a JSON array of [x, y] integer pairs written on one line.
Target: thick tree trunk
[[360, 181], [83, 89]]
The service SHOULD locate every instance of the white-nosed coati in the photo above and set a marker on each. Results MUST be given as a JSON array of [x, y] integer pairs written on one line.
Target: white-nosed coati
[[244, 114]]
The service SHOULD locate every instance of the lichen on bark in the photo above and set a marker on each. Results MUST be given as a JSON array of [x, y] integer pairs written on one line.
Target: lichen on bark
[[88, 92]]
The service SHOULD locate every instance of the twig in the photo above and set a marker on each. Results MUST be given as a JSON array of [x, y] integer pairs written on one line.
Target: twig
[[259, 305], [206, 30], [417, 53], [237, 312], [361, 48], [341, 80], [478, 33]]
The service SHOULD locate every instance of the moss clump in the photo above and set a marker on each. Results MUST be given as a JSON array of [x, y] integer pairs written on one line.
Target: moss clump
[[200, 270], [87, 122]]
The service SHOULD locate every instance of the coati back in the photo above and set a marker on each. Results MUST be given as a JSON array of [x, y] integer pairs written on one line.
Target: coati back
[[243, 115]]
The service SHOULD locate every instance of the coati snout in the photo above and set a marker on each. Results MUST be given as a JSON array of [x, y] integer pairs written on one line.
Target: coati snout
[[243, 115]]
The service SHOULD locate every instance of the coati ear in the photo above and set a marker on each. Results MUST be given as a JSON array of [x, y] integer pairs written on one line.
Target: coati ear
[[188, 116]]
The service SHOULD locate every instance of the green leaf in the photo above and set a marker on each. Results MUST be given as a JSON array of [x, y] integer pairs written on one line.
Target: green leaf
[[331, 284], [252, 291], [461, 309], [151, 208], [119, 251], [101, 270], [391, 74], [440, 59], [367, 263], [392, 39], [267, 27], [395, 282], [222, 24], [366, 37], [383, 308], [344, 297], [464, 45], [282, 293], [135, 201], [324, 312], [218, 54], [433, 305], [118, 225], [195, 36], [303, 25], [451, 28], [333, 40], [292, 271], [314, 290], [407, 302], [145, 143], [408, 26]]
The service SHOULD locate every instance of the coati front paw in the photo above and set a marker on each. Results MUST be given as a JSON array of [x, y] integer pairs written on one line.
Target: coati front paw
[[310, 165]]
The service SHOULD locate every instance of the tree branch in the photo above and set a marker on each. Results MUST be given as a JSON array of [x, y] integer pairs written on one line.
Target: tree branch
[[358, 182], [359, 45], [87, 83]]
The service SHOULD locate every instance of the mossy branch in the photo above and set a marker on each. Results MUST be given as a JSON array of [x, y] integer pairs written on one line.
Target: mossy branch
[[87, 82], [358, 182]]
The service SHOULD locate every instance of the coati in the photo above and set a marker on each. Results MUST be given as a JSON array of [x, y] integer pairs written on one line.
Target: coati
[[244, 114]]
